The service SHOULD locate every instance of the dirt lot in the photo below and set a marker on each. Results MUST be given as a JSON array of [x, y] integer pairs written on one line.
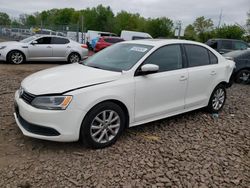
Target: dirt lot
[[190, 150]]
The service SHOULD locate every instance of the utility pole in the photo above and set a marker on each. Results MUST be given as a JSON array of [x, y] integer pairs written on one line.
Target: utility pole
[[178, 29], [220, 17], [77, 32], [82, 27]]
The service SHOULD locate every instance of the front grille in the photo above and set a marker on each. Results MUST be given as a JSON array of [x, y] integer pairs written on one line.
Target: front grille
[[27, 97], [37, 129]]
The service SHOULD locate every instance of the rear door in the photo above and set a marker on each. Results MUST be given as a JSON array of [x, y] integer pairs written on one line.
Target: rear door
[[42, 50], [60, 47], [202, 75]]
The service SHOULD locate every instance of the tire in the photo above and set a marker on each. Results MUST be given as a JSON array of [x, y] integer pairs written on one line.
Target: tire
[[16, 57], [103, 125], [217, 99], [243, 77], [74, 58]]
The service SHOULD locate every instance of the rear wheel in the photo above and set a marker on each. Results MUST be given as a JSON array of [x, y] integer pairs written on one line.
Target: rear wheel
[[217, 99], [16, 57], [103, 125], [243, 77], [74, 58]]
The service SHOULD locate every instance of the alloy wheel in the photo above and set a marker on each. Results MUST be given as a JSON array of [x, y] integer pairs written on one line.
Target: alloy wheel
[[17, 58], [105, 126], [218, 99], [244, 77], [74, 58]]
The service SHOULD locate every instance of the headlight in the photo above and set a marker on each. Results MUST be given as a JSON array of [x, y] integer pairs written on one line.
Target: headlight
[[52, 102], [2, 47]]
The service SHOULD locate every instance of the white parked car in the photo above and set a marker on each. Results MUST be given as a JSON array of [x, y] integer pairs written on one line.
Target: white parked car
[[42, 48], [127, 84], [134, 35]]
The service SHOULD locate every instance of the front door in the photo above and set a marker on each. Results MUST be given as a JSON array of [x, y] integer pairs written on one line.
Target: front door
[[42, 50], [161, 93]]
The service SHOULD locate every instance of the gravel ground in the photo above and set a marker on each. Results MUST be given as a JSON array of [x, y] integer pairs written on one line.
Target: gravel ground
[[190, 150]]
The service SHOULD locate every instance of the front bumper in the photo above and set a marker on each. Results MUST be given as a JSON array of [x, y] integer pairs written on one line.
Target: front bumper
[[53, 125], [2, 56]]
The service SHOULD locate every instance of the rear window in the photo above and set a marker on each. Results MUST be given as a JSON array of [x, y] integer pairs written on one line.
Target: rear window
[[197, 55], [57, 40], [213, 44], [226, 44], [213, 58], [139, 38], [113, 40], [238, 45]]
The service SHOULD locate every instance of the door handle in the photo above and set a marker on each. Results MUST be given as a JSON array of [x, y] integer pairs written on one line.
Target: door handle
[[213, 73], [182, 78], [68, 47], [48, 46]]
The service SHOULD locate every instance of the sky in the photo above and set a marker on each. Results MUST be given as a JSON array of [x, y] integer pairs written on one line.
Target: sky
[[233, 11]]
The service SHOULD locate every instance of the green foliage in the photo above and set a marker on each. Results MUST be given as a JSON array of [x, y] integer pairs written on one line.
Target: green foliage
[[4, 19], [230, 32], [103, 19], [190, 33], [160, 27], [202, 30], [202, 25]]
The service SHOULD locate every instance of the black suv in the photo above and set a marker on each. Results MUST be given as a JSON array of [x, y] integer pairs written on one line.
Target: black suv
[[227, 45], [241, 58]]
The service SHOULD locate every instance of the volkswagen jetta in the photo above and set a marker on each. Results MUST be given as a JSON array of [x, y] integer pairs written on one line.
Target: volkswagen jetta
[[125, 85]]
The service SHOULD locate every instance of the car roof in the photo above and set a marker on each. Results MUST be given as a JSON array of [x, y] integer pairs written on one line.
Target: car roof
[[216, 39], [161, 42], [41, 35], [111, 37]]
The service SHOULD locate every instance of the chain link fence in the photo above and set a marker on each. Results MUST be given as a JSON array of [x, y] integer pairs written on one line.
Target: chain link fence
[[12, 33]]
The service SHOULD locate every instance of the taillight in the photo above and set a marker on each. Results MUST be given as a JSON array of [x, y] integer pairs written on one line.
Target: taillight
[[84, 46]]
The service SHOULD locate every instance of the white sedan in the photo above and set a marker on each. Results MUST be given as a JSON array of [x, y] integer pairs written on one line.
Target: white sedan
[[125, 85], [42, 48]]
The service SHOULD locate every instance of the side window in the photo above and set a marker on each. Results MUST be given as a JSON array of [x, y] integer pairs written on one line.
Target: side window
[[237, 45], [167, 58], [213, 58], [197, 55], [44, 40], [213, 44], [57, 40], [226, 44]]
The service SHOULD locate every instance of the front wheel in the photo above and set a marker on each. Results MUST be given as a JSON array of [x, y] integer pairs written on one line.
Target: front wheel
[[16, 57], [74, 58], [217, 99], [243, 77], [103, 125]]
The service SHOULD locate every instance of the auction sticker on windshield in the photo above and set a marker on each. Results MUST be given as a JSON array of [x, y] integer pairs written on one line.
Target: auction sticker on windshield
[[138, 49]]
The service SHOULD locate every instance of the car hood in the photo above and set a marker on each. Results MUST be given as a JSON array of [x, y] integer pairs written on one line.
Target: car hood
[[66, 78], [10, 43]]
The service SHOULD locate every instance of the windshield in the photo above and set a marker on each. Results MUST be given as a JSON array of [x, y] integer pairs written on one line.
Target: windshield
[[29, 39], [118, 57]]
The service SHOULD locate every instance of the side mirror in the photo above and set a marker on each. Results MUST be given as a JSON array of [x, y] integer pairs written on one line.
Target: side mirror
[[148, 69], [34, 42]]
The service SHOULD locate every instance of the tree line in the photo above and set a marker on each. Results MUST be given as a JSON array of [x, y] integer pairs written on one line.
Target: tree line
[[103, 19]]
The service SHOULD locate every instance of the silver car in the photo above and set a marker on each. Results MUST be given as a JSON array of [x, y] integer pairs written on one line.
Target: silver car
[[42, 48]]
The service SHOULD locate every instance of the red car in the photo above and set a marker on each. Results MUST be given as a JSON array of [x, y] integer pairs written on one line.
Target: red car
[[104, 42]]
